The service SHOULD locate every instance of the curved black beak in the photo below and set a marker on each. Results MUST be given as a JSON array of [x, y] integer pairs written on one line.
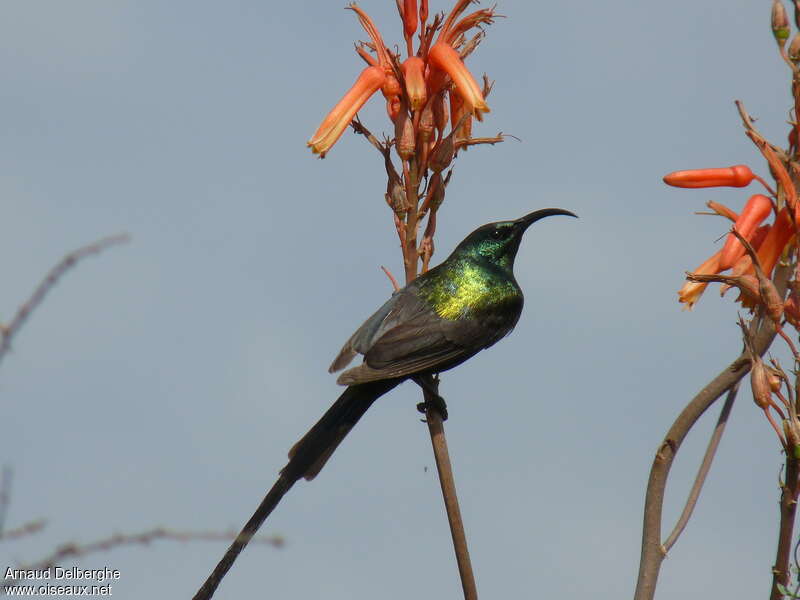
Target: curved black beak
[[531, 218]]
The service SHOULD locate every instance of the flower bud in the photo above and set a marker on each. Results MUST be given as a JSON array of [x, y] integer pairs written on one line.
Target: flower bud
[[735, 176], [443, 154], [437, 192], [404, 142], [440, 114], [759, 384], [426, 126], [791, 310], [780, 23], [409, 17], [772, 300], [794, 49], [396, 197]]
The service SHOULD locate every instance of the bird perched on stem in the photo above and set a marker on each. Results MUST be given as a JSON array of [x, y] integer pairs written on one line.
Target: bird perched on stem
[[436, 322]]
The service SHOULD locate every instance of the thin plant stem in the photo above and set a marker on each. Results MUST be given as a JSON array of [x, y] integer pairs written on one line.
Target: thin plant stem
[[435, 425], [702, 472], [788, 508], [790, 488]]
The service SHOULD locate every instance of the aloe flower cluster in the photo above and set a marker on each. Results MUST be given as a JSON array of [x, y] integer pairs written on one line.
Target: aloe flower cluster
[[763, 234], [431, 101]]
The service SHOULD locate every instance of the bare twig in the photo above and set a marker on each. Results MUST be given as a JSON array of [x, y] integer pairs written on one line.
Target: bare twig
[[65, 264], [24, 530], [500, 137], [358, 127], [5, 495], [68, 551], [702, 472]]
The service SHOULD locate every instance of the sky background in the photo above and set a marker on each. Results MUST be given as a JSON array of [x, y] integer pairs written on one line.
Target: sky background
[[162, 382]]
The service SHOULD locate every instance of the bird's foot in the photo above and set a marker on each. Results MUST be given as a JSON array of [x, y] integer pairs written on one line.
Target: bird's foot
[[437, 403], [430, 389]]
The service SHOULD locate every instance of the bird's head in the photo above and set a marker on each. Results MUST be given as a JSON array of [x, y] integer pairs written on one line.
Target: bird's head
[[499, 242]]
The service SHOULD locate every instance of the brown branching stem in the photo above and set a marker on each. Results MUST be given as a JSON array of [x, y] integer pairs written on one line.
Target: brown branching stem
[[7, 332], [653, 553]]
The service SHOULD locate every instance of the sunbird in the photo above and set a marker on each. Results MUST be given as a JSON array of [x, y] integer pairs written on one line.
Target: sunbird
[[436, 322]]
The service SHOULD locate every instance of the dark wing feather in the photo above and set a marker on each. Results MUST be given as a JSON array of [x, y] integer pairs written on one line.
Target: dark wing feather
[[406, 336], [414, 339], [361, 340]]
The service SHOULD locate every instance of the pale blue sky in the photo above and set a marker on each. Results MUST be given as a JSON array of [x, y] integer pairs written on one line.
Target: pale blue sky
[[162, 382]]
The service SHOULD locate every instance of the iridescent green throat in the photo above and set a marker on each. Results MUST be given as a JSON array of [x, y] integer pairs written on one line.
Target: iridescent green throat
[[466, 287]]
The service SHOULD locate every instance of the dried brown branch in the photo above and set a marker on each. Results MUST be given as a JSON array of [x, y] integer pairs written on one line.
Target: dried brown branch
[[358, 127], [24, 530], [500, 137], [7, 332], [71, 551]]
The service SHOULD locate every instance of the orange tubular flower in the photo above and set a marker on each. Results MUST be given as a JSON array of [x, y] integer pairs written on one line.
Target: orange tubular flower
[[331, 129], [409, 17], [691, 291], [413, 70], [736, 176], [778, 236], [757, 209], [443, 57], [423, 14], [390, 88]]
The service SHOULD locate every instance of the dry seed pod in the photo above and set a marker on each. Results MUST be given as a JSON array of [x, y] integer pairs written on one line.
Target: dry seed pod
[[760, 384]]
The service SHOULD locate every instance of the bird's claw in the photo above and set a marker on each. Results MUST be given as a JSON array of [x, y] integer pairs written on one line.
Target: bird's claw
[[435, 402]]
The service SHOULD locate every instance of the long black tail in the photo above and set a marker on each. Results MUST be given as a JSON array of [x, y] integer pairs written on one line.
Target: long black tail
[[309, 455], [306, 459]]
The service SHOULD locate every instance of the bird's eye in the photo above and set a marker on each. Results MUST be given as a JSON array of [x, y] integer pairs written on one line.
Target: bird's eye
[[498, 234]]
